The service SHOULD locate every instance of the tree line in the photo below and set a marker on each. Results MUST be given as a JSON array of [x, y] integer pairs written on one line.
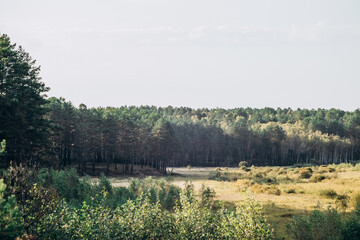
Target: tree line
[[53, 132]]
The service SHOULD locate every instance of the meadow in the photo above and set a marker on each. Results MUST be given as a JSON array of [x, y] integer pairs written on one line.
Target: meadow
[[284, 192]]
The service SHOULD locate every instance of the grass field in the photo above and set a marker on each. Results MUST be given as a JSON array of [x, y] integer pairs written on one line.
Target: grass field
[[283, 191]]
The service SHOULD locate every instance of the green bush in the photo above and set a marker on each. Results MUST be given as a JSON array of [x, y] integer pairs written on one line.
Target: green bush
[[351, 225], [11, 221], [207, 195], [104, 183], [158, 190], [317, 225], [66, 182], [141, 219], [328, 224], [150, 209]]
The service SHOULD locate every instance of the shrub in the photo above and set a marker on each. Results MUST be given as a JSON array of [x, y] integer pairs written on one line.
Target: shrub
[[11, 221], [207, 195], [158, 191], [316, 178], [351, 225], [118, 197], [243, 185], [243, 164], [247, 222], [215, 175], [356, 199], [342, 201], [224, 176], [357, 167], [48, 217], [142, 219], [40, 203], [289, 191], [257, 188], [317, 225], [69, 186], [104, 183], [328, 193], [284, 179], [305, 173], [344, 165], [282, 171]]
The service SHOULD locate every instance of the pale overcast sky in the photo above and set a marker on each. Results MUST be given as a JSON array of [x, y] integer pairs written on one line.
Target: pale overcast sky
[[195, 53]]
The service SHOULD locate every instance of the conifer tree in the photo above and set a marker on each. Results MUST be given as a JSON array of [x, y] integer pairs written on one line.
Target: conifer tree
[[22, 102]]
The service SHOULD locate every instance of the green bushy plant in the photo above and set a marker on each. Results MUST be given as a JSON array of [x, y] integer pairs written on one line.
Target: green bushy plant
[[11, 221], [68, 185], [317, 225], [158, 190], [207, 195], [142, 214], [329, 224]]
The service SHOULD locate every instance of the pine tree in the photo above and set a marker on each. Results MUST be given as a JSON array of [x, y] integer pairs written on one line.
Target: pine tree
[[22, 110]]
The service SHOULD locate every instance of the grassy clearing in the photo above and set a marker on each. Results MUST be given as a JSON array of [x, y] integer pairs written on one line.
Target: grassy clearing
[[283, 191]]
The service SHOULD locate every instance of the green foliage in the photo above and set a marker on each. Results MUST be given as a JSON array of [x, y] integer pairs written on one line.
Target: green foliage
[[22, 111], [67, 184], [11, 221], [158, 211], [104, 183], [317, 225], [207, 195], [39, 204], [247, 222], [351, 225], [158, 191], [2, 147], [327, 224]]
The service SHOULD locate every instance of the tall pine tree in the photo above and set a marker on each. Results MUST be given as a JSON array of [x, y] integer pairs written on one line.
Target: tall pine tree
[[22, 111]]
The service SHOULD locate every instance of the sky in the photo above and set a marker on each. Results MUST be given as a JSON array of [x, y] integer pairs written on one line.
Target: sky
[[193, 53]]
